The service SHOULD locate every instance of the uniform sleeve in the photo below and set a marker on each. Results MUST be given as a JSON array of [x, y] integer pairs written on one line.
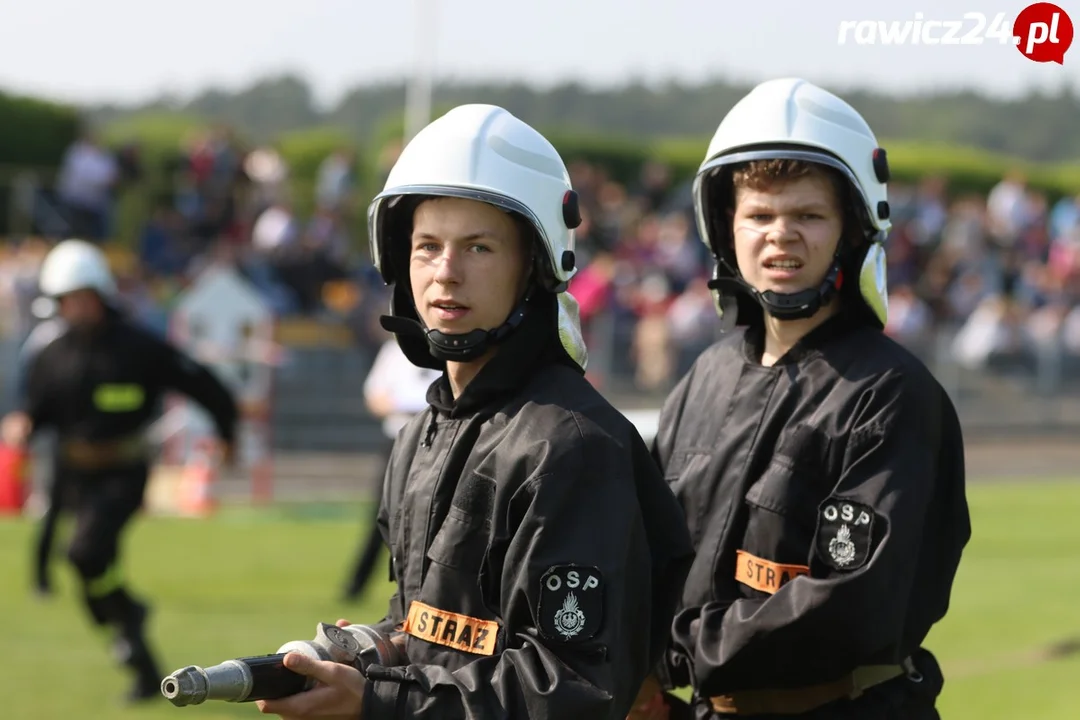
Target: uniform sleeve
[[668, 423], [31, 376], [394, 617], [853, 605], [39, 338], [672, 669], [178, 371], [574, 591], [35, 391]]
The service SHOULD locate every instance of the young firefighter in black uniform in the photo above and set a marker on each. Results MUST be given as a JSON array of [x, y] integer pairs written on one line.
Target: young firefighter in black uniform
[[97, 384], [537, 551], [820, 465]]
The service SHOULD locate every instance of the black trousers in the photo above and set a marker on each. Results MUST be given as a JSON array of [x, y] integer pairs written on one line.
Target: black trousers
[[102, 503]]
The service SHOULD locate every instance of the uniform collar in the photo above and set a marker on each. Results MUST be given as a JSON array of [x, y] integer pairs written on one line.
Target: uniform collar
[[838, 324], [89, 335]]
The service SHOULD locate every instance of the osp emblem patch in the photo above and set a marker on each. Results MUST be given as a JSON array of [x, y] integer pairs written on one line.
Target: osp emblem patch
[[571, 605], [844, 534]]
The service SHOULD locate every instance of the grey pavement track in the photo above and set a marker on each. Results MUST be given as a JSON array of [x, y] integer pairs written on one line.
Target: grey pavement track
[[328, 477]]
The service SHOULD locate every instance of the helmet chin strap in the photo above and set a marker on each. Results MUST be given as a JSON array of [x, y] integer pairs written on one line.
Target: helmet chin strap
[[787, 306], [456, 347]]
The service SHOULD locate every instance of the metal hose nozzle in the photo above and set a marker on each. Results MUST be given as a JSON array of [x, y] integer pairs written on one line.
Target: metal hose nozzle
[[265, 677], [242, 680], [231, 680]]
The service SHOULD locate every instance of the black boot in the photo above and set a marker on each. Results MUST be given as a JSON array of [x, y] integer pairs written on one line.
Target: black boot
[[132, 650]]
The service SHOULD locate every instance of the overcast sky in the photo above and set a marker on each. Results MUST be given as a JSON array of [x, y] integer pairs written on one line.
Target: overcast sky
[[125, 50]]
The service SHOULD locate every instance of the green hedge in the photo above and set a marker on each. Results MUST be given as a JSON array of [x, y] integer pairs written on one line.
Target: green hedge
[[966, 169], [621, 157], [974, 170], [303, 151], [161, 138], [35, 135]]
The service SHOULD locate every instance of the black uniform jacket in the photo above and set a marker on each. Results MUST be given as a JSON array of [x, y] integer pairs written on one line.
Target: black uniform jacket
[[106, 384], [538, 553], [825, 498]]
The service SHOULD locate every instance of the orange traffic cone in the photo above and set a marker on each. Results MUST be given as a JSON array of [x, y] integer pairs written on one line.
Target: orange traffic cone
[[197, 483]]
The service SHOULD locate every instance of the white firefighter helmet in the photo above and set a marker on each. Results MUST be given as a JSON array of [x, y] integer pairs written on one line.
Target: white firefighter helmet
[[76, 265], [791, 118], [482, 152]]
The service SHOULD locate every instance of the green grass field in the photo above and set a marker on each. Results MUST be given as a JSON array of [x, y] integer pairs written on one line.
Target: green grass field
[[245, 582]]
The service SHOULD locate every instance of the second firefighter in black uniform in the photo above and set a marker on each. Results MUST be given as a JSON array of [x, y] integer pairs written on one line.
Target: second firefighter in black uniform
[[820, 464], [98, 384]]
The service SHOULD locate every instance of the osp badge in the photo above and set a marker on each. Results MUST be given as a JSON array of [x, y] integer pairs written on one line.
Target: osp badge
[[844, 534], [571, 605]]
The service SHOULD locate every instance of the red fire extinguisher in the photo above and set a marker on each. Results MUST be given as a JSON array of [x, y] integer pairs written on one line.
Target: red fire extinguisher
[[14, 466]]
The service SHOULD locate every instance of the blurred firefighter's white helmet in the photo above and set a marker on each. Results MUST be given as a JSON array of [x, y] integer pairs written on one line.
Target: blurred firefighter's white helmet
[[76, 265]]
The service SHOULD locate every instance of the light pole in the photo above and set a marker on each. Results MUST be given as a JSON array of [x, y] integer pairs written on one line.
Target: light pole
[[418, 89]]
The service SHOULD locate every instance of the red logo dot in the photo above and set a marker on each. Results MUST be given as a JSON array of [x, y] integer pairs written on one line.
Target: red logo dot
[[1043, 32]]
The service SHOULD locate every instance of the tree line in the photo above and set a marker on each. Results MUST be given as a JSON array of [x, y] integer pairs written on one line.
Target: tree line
[[1040, 127]]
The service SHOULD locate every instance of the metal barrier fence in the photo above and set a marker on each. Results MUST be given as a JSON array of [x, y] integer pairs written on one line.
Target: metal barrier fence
[[319, 407]]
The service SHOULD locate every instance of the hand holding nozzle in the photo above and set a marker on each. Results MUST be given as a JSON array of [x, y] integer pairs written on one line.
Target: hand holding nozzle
[[265, 677]]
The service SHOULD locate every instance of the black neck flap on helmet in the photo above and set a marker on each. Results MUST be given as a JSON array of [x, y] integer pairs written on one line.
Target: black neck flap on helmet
[[786, 306], [423, 346]]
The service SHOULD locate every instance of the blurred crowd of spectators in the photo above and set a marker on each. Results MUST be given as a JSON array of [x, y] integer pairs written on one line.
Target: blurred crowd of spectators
[[998, 276], [994, 279]]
